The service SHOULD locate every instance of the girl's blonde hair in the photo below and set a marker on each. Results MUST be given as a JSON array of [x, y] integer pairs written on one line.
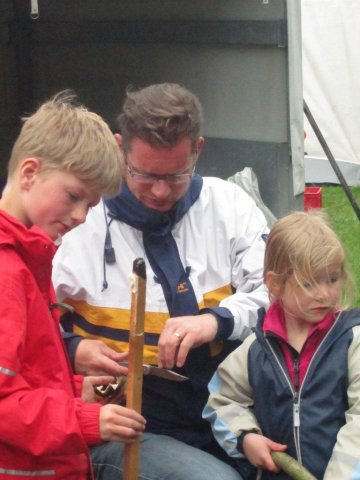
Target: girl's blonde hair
[[304, 244], [64, 135]]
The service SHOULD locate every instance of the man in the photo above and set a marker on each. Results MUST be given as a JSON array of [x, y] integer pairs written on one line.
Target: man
[[203, 241]]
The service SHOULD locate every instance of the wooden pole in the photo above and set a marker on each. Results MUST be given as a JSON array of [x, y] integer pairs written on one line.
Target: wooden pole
[[332, 160], [135, 370]]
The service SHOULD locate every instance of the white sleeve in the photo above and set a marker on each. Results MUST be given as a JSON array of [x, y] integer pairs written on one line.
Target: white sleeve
[[247, 258], [230, 405], [345, 459]]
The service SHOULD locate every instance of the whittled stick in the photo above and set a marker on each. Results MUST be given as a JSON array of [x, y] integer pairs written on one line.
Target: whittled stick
[[291, 466], [135, 371]]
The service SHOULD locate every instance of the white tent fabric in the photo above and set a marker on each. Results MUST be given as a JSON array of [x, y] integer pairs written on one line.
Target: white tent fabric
[[331, 84]]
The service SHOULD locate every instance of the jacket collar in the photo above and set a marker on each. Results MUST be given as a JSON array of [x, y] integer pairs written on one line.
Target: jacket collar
[[33, 245], [127, 208], [274, 322]]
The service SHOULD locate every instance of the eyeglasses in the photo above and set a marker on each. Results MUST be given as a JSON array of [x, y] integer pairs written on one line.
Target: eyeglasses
[[148, 178]]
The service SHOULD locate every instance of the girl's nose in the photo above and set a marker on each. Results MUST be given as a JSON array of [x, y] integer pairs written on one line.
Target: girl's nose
[[321, 292]]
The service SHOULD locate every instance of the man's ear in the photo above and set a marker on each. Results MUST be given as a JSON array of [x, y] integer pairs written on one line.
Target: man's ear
[[118, 139], [273, 284], [199, 145], [29, 168]]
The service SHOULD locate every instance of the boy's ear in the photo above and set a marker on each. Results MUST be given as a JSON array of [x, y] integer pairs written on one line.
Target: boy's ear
[[28, 170], [273, 284]]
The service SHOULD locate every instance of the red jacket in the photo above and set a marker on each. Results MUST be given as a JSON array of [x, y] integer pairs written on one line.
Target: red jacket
[[44, 429]]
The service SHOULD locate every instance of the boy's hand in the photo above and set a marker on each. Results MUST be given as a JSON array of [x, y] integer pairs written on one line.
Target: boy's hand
[[87, 393], [257, 450], [120, 424]]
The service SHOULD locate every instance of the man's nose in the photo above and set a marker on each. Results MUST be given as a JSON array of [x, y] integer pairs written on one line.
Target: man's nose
[[160, 189]]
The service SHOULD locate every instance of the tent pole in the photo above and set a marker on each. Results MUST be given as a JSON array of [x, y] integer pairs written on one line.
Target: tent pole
[[332, 160]]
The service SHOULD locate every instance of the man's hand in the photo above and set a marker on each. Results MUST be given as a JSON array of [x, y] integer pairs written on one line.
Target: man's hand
[[93, 357], [180, 334], [257, 449]]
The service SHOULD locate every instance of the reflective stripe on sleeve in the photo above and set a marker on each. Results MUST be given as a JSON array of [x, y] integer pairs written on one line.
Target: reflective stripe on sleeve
[[6, 371], [27, 473]]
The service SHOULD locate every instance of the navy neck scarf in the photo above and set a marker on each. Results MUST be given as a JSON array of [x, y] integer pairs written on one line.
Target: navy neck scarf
[[159, 244]]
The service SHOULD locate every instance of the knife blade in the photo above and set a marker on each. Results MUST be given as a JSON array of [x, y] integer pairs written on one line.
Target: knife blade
[[160, 372]]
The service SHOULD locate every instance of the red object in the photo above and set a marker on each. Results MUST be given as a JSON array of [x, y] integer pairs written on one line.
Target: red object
[[312, 198], [44, 427]]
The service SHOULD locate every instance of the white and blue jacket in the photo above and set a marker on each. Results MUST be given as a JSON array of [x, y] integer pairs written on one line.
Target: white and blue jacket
[[207, 253]]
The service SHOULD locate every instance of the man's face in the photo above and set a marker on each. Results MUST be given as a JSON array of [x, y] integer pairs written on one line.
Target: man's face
[[158, 177]]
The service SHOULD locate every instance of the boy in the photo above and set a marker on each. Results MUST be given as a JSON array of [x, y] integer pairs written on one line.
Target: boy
[[64, 159]]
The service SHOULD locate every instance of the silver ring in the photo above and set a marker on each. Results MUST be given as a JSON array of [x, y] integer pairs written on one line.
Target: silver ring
[[177, 334]]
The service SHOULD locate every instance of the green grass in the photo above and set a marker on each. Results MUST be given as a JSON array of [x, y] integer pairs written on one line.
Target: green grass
[[346, 224]]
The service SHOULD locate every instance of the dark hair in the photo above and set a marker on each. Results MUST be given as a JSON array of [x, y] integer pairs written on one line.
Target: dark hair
[[160, 115]]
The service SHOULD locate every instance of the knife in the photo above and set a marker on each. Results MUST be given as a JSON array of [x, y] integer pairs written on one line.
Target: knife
[[115, 392], [160, 372]]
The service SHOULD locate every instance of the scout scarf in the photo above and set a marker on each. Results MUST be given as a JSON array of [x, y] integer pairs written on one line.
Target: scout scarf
[[159, 244]]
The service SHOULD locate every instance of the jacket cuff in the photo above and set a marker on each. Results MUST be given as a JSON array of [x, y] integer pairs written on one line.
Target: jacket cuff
[[225, 321], [71, 343], [89, 418]]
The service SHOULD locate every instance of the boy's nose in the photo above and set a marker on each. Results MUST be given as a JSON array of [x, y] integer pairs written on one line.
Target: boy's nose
[[78, 214]]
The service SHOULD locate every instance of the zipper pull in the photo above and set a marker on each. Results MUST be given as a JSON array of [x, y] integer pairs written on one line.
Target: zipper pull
[[34, 13], [296, 414]]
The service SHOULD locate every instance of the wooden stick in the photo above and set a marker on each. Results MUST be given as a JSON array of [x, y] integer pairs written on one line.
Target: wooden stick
[[291, 466], [135, 372]]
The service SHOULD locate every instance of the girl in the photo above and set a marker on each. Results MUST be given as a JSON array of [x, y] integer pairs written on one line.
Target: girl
[[294, 384]]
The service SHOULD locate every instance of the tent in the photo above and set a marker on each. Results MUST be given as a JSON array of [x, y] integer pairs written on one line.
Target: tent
[[331, 85]]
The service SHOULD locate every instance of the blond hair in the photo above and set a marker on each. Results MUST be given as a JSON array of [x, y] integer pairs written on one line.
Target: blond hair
[[161, 115], [304, 244], [64, 135]]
